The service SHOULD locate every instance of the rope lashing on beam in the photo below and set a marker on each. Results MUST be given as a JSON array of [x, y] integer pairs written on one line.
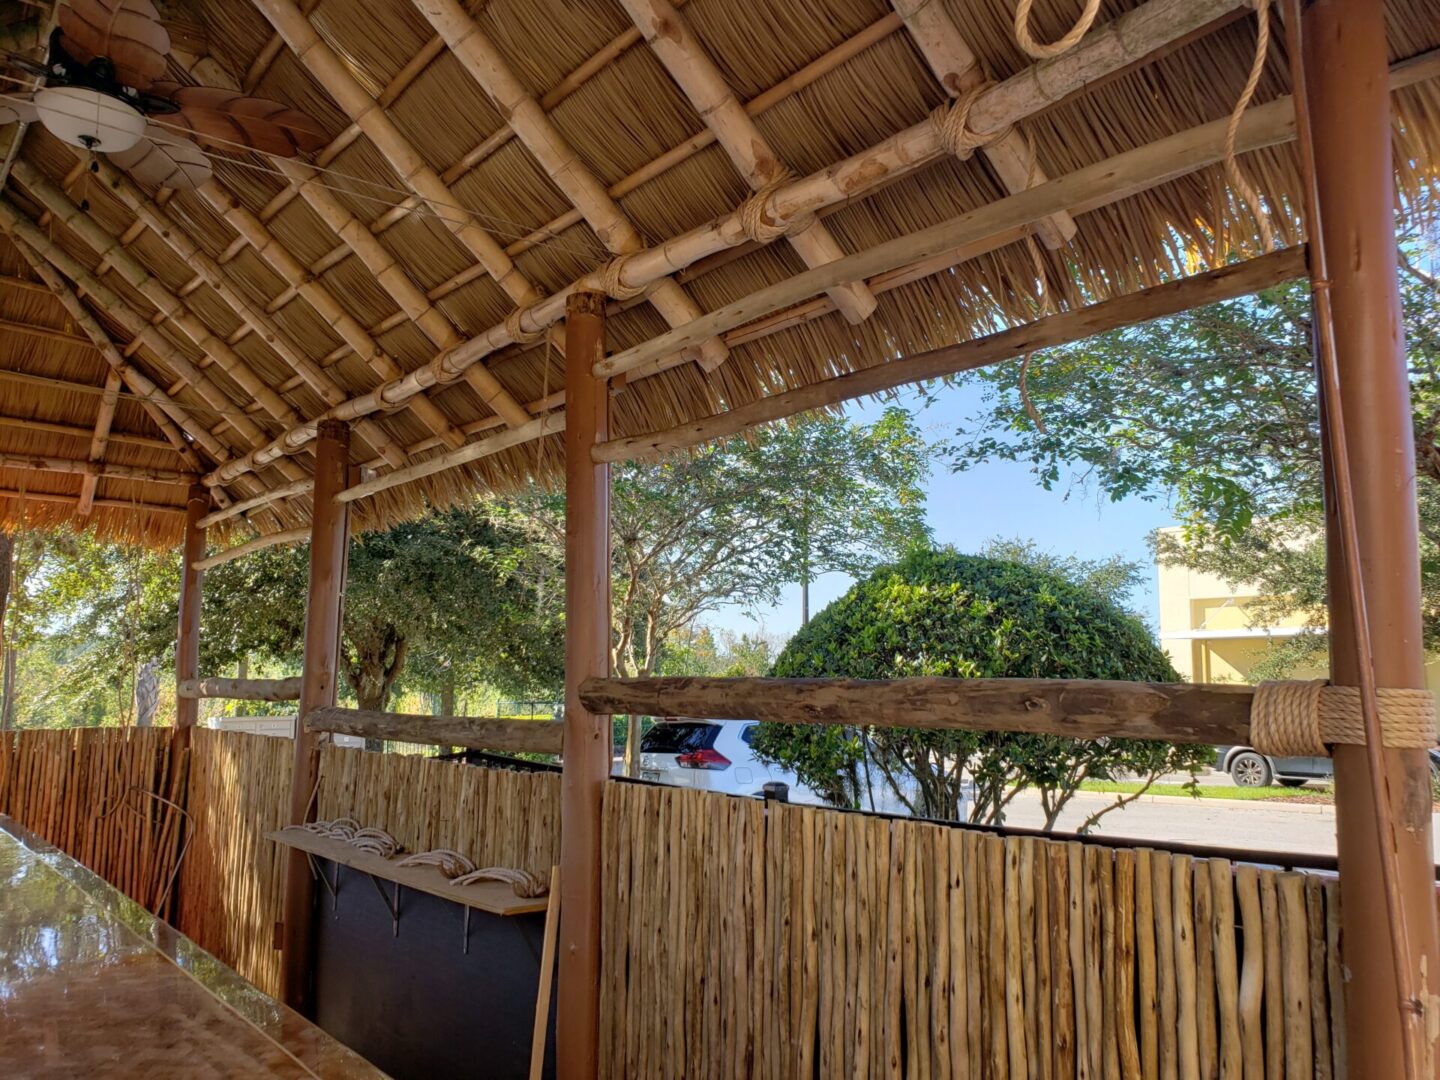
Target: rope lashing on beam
[[1039, 49], [1303, 719], [613, 285], [757, 225], [516, 330], [951, 122]]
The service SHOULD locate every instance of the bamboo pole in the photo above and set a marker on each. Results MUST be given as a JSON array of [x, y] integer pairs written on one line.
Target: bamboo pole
[[92, 470], [355, 101], [529, 121], [289, 536], [104, 418], [168, 231], [1127, 40], [323, 612], [668, 34], [1224, 283], [302, 283], [958, 70]]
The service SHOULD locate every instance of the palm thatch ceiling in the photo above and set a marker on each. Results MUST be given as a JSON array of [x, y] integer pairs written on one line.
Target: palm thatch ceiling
[[481, 160]]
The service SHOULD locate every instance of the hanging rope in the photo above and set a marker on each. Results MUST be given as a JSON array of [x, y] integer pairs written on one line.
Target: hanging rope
[[1040, 50], [951, 122], [1238, 180]]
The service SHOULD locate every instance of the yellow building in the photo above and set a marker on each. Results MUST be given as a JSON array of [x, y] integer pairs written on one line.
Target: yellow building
[[1207, 628]]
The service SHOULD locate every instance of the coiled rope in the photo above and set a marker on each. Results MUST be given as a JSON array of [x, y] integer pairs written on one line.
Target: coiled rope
[[1041, 51], [1300, 719]]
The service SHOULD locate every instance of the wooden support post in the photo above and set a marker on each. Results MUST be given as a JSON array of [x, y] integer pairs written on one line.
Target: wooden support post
[[1345, 55], [587, 655], [187, 642], [329, 537]]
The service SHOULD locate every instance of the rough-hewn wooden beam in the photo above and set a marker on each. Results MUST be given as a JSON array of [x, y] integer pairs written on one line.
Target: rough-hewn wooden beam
[[958, 70], [557, 157], [242, 689], [1226, 283], [471, 732], [669, 36], [128, 438], [45, 333], [104, 417], [1076, 708], [92, 471], [73, 500]]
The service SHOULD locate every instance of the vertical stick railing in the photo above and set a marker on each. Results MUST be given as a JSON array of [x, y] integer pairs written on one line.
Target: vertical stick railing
[[587, 654], [1349, 177], [187, 639], [329, 538]]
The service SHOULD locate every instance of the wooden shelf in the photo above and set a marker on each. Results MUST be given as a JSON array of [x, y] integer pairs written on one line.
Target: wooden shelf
[[495, 897]]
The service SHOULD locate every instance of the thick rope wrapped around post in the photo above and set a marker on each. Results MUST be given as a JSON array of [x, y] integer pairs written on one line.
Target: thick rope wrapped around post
[[1304, 719], [951, 122]]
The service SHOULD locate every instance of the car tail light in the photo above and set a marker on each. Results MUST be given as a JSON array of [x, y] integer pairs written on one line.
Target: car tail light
[[703, 759]]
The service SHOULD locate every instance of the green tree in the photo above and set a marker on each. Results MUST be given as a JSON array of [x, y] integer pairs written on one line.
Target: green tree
[[1216, 409], [940, 613]]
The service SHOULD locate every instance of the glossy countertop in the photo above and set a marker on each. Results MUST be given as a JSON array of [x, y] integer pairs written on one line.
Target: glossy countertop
[[93, 985]]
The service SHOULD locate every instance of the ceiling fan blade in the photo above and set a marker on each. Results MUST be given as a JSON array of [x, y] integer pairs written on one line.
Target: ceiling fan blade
[[230, 120], [164, 159], [14, 109], [126, 32]]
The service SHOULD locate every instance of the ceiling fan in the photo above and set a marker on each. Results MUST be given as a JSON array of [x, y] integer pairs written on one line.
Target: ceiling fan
[[104, 82]]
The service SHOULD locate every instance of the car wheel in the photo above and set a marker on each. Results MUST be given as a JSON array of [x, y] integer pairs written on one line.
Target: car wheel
[[1292, 781], [1249, 769]]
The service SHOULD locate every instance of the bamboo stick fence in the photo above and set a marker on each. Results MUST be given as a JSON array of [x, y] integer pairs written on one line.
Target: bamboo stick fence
[[108, 797], [741, 939]]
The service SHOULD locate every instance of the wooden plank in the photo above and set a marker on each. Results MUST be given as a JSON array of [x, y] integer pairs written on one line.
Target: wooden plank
[[473, 732], [1076, 708], [496, 897]]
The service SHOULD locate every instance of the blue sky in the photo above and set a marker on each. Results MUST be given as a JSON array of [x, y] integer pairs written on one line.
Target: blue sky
[[996, 499]]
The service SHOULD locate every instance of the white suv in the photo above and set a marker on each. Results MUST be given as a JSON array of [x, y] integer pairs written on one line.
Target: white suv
[[713, 755]]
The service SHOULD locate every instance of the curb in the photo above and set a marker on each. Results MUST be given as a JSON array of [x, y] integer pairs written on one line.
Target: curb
[[1186, 800]]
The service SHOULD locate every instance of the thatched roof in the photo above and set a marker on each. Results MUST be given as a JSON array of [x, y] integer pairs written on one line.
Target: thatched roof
[[358, 281]]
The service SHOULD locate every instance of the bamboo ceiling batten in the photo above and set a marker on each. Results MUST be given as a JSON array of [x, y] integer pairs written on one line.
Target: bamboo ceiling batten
[[789, 193]]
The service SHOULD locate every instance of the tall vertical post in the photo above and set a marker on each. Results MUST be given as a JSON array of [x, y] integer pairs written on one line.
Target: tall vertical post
[[1347, 88], [329, 537], [187, 639], [587, 654]]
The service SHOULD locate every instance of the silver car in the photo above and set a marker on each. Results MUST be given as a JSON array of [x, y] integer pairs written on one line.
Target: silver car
[[1248, 767]]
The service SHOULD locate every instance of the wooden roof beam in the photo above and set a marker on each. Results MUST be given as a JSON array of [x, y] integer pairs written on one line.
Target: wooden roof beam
[[558, 158], [1127, 40], [24, 230], [104, 417], [689, 64], [109, 504], [93, 471], [45, 333], [356, 102], [75, 431], [209, 272], [154, 290], [301, 283], [956, 67]]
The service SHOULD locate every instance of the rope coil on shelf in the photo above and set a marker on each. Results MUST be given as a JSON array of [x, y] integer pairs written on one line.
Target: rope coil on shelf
[[760, 228], [525, 884], [611, 282], [951, 121], [517, 332], [1303, 719]]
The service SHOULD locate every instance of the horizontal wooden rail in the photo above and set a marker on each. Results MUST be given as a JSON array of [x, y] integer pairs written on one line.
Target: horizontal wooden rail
[[471, 732], [242, 689], [1077, 708]]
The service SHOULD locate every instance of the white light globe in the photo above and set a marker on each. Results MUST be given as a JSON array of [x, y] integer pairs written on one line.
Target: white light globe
[[89, 119]]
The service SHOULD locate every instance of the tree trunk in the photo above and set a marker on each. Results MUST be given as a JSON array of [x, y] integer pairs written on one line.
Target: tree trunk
[[447, 694], [372, 668]]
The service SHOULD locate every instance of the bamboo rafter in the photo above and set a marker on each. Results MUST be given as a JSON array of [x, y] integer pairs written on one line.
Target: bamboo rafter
[[252, 318], [92, 471], [668, 34], [958, 70], [100, 441], [575, 180], [1127, 40]]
